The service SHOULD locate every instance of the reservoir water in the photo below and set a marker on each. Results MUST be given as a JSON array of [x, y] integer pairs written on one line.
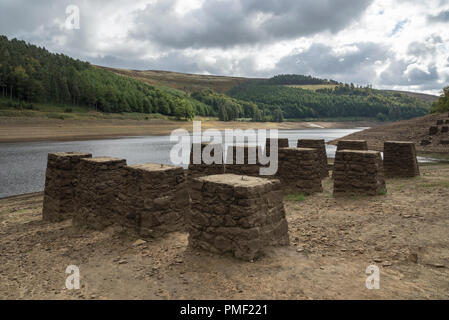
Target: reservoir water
[[22, 165]]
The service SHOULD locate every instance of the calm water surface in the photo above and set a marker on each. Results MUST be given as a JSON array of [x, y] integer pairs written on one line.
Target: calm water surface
[[22, 165]]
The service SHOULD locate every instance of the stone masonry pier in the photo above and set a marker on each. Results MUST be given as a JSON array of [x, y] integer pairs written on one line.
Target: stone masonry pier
[[61, 180], [250, 165], [400, 159], [100, 181], [204, 169], [358, 173], [237, 214], [320, 146], [282, 143], [352, 145], [154, 199], [299, 170]]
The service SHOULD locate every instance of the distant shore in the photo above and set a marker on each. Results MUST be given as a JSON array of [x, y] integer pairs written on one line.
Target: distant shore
[[41, 129]]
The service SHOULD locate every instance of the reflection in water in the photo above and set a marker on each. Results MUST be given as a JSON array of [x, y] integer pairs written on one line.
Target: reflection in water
[[22, 165]]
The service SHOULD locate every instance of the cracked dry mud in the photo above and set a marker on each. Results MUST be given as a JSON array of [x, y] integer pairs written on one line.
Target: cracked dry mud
[[333, 241]]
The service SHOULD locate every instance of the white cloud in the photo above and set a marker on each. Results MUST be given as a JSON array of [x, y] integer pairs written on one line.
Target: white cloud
[[390, 44]]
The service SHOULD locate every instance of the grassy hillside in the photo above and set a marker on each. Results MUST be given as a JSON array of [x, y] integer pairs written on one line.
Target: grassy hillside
[[182, 81], [30, 75], [327, 102]]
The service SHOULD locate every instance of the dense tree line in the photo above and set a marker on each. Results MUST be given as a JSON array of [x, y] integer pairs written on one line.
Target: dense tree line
[[442, 105], [32, 74], [297, 79], [343, 101]]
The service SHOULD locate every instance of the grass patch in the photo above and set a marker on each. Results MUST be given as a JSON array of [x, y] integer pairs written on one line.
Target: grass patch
[[295, 197], [435, 184]]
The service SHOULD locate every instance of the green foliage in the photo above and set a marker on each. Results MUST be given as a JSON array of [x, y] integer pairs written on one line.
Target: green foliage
[[342, 101], [442, 105], [32, 74], [292, 79], [295, 197]]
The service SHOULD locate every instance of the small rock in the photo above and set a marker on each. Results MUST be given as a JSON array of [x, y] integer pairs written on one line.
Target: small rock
[[122, 262], [386, 264], [139, 243], [438, 265], [407, 216], [300, 250], [413, 257], [377, 259]]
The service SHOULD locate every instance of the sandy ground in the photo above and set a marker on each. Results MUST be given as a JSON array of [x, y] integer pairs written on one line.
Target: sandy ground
[[405, 233], [41, 129], [408, 130]]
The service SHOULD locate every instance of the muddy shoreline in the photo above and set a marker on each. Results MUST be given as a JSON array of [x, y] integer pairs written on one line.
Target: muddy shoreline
[[31, 129]]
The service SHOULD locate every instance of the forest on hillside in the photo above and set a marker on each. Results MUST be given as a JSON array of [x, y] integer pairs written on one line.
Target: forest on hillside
[[342, 101], [30, 74]]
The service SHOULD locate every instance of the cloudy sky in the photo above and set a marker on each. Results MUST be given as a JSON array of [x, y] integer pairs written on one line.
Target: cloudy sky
[[401, 44]]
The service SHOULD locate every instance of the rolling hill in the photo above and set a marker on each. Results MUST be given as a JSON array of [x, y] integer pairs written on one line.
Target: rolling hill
[[32, 75]]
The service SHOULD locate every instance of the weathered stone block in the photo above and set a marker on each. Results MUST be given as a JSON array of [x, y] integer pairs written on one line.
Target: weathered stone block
[[154, 199], [61, 179], [400, 159], [358, 173], [204, 169], [440, 122], [352, 145], [444, 129], [299, 170], [320, 146], [243, 160], [250, 217], [100, 181], [433, 130], [282, 143]]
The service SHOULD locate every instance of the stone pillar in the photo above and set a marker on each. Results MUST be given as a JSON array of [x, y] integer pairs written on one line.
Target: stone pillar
[[154, 199], [299, 170], [400, 159], [352, 145], [320, 146], [282, 143], [203, 169], [60, 183], [100, 181], [358, 173], [433, 130], [237, 214], [250, 165]]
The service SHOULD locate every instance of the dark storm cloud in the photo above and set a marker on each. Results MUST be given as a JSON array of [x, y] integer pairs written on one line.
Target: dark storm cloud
[[443, 16], [399, 74], [355, 64], [226, 23]]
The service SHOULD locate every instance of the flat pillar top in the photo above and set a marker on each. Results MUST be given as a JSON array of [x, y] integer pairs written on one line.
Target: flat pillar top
[[311, 140], [399, 142], [370, 152], [300, 149], [71, 154], [104, 160], [153, 167], [235, 180], [244, 146], [357, 141]]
